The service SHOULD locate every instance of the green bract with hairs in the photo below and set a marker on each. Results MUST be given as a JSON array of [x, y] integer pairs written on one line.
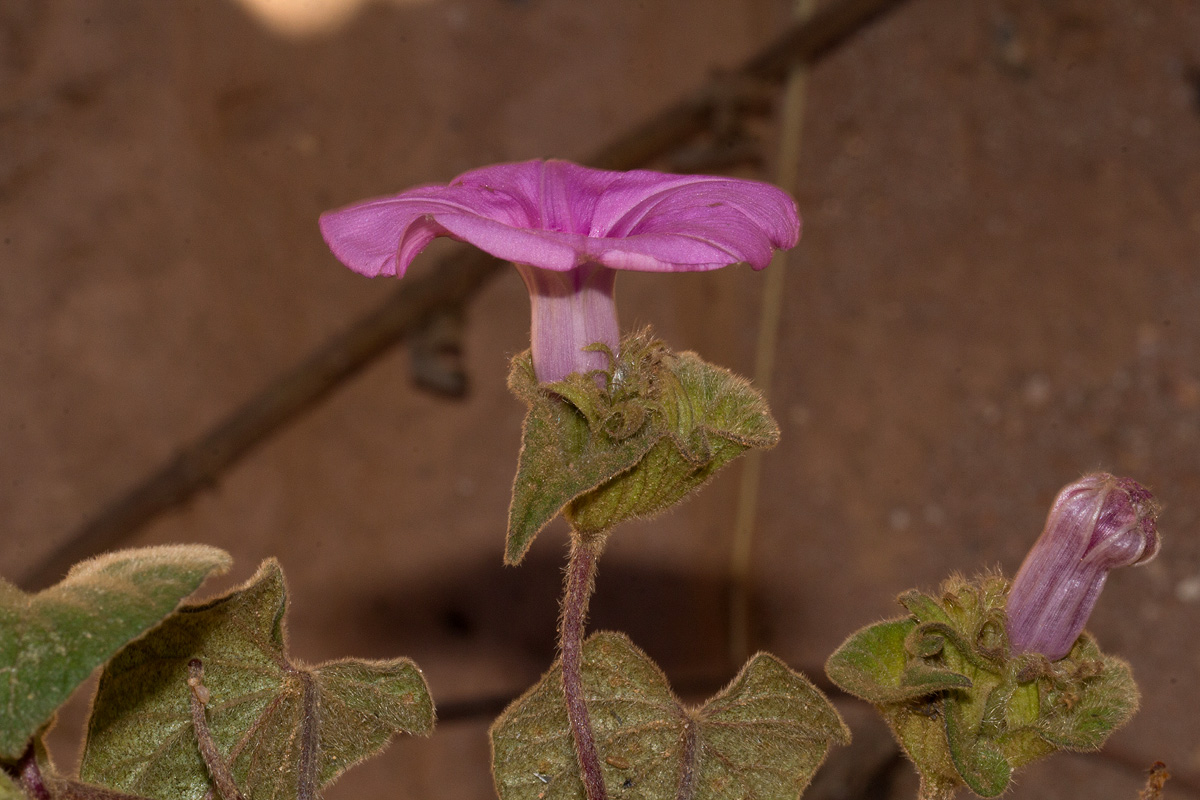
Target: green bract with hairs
[[965, 708], [656, 426]]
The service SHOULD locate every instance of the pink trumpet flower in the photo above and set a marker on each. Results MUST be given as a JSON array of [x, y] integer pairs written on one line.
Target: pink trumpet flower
[[1096, 524], [568, 228]]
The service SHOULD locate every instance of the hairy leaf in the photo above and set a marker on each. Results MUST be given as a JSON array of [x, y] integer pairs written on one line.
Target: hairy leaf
[[920, 731], [52, 640], [1083, 715], [660, 427], [286, 729], [962, 705], [762, 736], [709, 417], [874, 664], [978, 759], [562, 457]]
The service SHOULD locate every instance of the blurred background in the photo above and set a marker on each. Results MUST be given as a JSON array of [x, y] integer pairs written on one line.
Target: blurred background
[[996, 291]]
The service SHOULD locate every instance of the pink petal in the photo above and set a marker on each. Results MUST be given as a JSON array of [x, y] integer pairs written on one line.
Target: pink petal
[[382, 236], [745, 217], [557, 215]]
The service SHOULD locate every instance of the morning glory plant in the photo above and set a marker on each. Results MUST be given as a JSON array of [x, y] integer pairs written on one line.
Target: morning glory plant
[[985, 676], [200, 700], [617, 428]]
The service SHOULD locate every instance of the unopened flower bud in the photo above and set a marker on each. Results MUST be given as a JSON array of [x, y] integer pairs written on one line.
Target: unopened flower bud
[[1096, 524]]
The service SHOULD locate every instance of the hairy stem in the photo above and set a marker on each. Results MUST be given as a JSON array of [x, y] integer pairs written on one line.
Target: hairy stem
[[581, 573], [31, 776]]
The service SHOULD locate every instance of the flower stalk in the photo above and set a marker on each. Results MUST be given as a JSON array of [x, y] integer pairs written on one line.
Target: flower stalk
[[30, 774], [581, 578]]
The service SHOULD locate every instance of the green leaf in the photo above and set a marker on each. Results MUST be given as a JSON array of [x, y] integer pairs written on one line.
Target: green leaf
[[766, 734], [919, 730], [280, 725], [710, 416], [924, 607], [927, 679], [1082, 714], [874, 664], [633, 449], [979, 761], [52, 640], [963, 706], [722, 404], [561, 458], [763, 736]]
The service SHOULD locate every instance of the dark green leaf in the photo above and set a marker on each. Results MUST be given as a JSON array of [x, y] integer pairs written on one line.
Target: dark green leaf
[[51, 641], [763, 736], [273, 720]]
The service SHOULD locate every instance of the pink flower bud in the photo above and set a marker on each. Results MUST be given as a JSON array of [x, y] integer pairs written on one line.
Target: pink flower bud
[[1098, 523]]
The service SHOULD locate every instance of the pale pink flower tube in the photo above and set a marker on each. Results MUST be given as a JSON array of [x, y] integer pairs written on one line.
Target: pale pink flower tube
[[1096, 524], [567, 228]]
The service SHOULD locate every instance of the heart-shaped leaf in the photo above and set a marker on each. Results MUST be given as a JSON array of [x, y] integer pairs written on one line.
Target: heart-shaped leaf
[[52, 640], [284, 728], [762, 736]]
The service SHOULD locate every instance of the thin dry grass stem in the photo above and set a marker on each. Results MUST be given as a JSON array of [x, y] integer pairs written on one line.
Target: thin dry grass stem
[[746, 516]]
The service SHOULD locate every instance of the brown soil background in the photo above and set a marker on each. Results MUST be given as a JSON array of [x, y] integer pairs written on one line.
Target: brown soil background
[[997, 291]]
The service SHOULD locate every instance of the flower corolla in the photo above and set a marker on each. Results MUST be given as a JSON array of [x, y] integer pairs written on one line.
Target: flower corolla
[[1096, 524], [567, 228]]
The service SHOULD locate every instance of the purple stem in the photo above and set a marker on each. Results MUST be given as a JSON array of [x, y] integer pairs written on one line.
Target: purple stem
[[581, 573], [31, 776]]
